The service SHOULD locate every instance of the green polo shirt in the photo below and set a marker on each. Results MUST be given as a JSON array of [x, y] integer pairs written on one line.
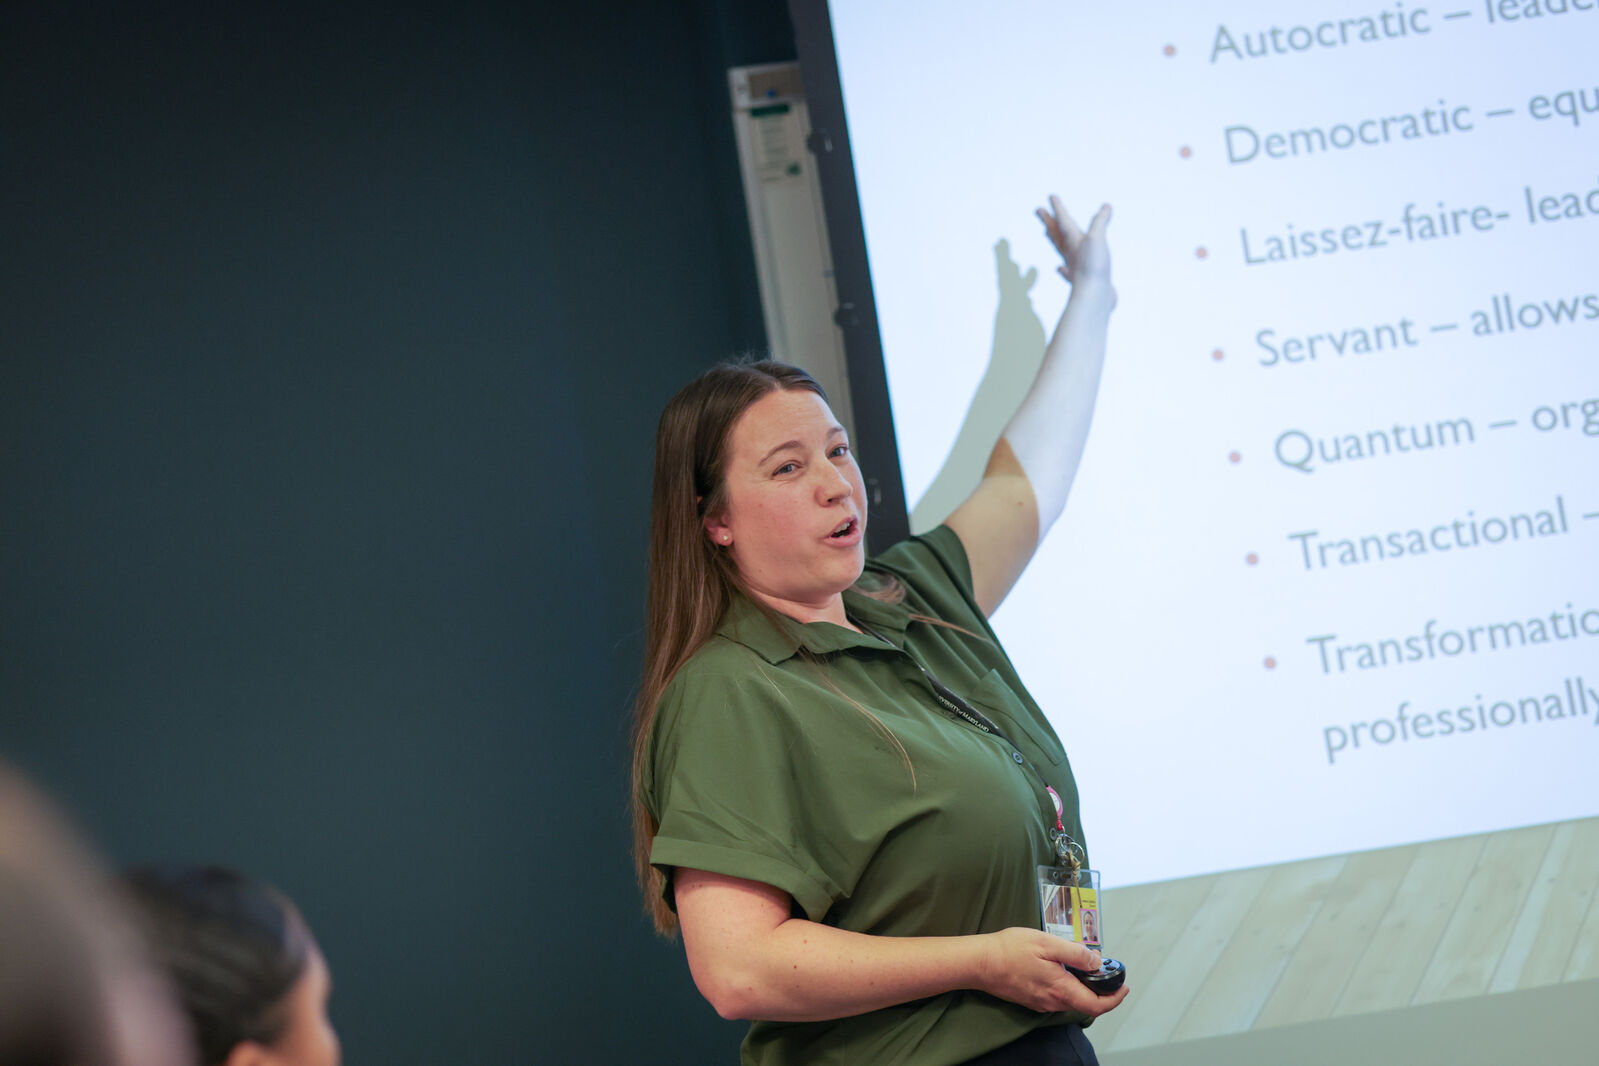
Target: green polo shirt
[[904, 821]]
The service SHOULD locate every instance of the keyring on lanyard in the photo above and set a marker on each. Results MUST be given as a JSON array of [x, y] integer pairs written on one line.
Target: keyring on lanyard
[[1067, 851]]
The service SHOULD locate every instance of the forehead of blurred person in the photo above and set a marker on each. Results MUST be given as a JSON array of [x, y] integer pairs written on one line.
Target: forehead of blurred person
[[307, 1037]]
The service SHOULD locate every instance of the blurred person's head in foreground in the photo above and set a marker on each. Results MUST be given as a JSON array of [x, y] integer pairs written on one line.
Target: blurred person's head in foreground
[[76, 988], [244, 963]]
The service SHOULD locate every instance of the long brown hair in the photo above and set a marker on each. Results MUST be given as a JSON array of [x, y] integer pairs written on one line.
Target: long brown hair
[[691, 583]]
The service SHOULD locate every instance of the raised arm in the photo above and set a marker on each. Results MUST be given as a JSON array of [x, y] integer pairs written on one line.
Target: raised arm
[[1031, 469], [751, 960]]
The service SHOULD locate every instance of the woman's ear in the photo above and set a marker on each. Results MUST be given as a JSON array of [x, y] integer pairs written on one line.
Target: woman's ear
[[249, 1053], [718, 531]]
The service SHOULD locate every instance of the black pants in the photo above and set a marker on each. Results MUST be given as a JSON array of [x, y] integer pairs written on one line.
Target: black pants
[[1058, 1045]]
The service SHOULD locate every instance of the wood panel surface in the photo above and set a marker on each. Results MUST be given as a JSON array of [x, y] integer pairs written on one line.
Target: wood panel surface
[[1144, 922], [1478, 933], [1260, 949], [1542, 947], [1165, 993], [1354, 934], [1329, 954]]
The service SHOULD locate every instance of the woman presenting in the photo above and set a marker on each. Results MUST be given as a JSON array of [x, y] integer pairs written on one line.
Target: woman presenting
[[850, 852]]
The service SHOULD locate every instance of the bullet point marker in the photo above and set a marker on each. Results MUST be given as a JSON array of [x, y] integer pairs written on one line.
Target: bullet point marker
[[1251, 558], [1234, 457], [1271, 664], [1170, 49], [1216, 355], [1200, 251], [1185, 151]]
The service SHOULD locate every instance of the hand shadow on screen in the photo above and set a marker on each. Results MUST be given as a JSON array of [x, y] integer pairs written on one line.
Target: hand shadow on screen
[[1013, 363]]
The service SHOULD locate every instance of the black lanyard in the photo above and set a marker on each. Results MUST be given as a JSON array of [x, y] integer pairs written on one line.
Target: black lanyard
[[946, 695], [950, 699]]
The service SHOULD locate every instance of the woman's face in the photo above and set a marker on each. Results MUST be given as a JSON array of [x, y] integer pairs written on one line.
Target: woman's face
[[795, 514], [308, 1038]]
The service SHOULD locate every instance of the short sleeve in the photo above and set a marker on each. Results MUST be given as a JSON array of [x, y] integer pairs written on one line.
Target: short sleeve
[[728, 779], [935, 568]]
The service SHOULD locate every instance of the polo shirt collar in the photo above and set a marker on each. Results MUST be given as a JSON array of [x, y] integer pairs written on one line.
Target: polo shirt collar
[[746, 624]]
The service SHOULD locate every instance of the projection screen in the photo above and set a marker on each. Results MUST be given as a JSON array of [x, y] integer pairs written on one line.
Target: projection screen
[[1328, 579]]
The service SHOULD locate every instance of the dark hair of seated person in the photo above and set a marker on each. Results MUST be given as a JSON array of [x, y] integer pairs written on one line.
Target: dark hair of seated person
[[233, 948]]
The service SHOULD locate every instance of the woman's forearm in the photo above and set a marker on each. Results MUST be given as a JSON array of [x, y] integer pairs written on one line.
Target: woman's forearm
[[752, 960], [804, 971], [1050, 429]]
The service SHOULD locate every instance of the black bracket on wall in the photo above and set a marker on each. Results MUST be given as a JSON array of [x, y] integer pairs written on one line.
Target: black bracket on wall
[[875, 441]]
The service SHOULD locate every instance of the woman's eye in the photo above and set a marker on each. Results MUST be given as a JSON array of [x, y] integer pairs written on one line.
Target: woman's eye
[[786, 468], [839, 449]]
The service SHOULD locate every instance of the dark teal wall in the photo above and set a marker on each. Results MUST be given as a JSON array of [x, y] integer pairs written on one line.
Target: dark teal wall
[[331, 345]]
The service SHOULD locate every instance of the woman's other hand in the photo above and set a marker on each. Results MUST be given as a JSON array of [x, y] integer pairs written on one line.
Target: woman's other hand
[[1027, 966], [1085, 255]]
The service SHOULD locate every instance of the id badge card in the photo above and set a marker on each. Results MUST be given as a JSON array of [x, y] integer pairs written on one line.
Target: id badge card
[[1069, 899]]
